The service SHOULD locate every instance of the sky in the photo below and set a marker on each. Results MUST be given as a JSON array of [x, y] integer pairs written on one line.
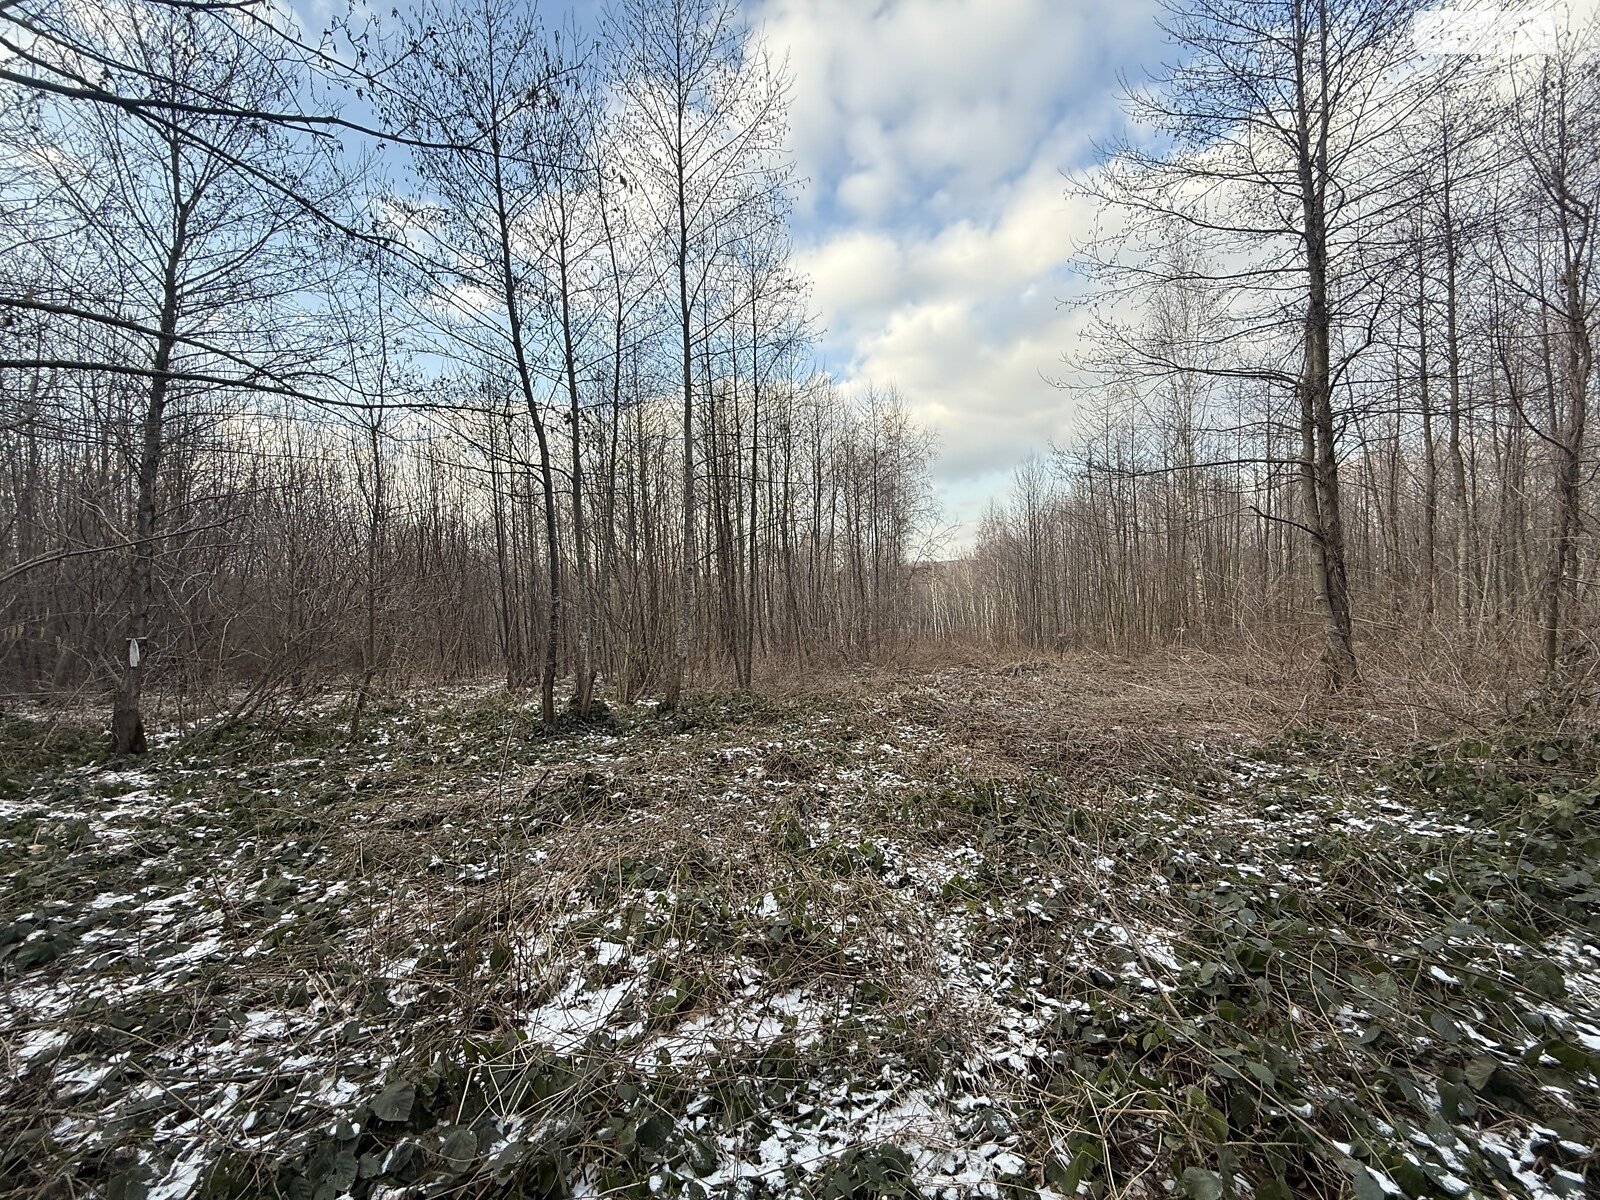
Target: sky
[[934, 137]]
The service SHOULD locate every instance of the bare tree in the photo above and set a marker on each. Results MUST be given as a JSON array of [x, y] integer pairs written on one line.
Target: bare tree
[[185, 242], [1555, 124], [473, 90], [1275, 114], [706, 120]]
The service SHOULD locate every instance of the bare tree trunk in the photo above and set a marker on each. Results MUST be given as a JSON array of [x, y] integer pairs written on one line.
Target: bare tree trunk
[[755, 451], [686, 584], [508, 640], [1320, 464], [376, 518], [1561, 583], [580, 547], [1458, 464], [127, 718], [1430, 452], [547, 679], [375, 521]]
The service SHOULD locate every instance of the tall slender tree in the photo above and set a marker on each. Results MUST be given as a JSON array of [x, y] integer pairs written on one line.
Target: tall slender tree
[[705, 111]]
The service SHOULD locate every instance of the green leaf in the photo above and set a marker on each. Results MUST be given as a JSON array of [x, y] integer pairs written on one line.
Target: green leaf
[[460, 1147], [1456, 1101], [1444, 1027], [345, 1170], [395, 1101], [406, 1162], [1366, 1183], [41, 951], [655, 1133], [1479, 1071], [504, 1163], [1200, 1184], [1573, 1058], [1544, 977], [700, 1156]]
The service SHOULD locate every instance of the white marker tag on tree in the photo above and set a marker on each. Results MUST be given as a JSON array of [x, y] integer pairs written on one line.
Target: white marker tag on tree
[[133, 652]]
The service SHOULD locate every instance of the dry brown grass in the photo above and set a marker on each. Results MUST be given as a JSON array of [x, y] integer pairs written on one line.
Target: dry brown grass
[[1108, 705], [487, 863]]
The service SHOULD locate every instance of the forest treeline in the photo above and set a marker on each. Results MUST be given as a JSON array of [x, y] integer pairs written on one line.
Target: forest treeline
[[452, 343], [1343, 349], [449, 346]]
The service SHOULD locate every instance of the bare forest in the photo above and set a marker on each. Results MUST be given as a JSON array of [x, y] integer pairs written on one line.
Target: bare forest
[[499, 697]]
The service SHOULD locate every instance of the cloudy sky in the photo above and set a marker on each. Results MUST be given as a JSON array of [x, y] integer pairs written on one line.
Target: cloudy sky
[[934, 135]]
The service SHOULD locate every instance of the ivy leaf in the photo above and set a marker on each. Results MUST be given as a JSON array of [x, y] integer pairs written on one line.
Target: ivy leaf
[[406, 1162], [655, 1134], [503, 1166], [1366, 1183], [345, 1170], [1444, 1027], [395, 1101], [1200, 1184], [1543, 977], [700, 1156], [1479, 1071], [1456, 1101], [460, 1147], [499, 955]]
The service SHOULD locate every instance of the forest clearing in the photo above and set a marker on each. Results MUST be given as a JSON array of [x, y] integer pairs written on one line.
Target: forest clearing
[[925, 932], [834, 599]]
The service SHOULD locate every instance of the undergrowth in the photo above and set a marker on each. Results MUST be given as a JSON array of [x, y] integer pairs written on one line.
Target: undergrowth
[[897, 945]]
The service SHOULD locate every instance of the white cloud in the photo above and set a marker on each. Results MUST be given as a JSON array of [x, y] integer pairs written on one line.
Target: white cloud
[[902, 98], [965, 319], [936, 228]]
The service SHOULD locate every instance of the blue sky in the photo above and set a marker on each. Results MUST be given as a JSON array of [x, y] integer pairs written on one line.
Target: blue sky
[[934, 136]]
